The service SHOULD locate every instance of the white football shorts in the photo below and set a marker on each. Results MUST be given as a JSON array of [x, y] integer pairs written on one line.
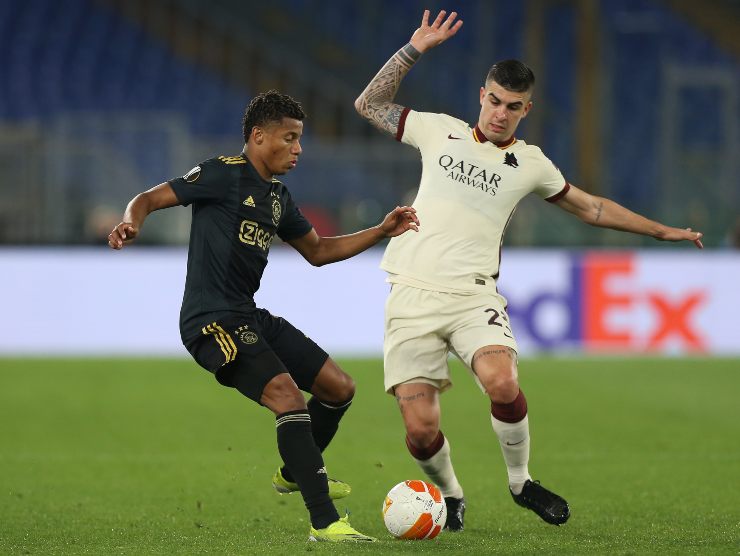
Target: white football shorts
[[422, 327]]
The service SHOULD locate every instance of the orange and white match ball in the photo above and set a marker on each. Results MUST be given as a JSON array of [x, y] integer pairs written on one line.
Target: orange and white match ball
[[414, 510]]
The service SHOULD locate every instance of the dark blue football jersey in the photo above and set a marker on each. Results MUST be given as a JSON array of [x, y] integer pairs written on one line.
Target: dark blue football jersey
[[236, 215]]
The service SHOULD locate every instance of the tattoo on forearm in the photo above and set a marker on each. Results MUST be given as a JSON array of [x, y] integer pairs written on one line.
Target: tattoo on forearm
[[376, 101], [393, 117], [505, 351], [410, 398], [408, 55], [599, 210]]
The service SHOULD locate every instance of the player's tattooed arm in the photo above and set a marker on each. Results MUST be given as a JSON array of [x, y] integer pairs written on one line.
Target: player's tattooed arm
[[605, 213], [375, 104], [599, 210]]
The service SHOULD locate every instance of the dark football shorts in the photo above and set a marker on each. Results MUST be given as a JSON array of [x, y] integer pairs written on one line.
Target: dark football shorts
[[247, 350]]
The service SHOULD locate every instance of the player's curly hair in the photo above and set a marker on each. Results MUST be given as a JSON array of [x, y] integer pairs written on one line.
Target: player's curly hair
[[512, 75], [269, 107]]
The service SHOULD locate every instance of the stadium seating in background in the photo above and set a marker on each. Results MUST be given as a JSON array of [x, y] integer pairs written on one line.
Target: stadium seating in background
[[116, 95], [79, 56]]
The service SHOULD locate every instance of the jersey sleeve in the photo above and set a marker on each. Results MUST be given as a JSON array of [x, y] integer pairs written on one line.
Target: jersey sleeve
[[293, 224], [551, 184], [416, 128], [209, 181]]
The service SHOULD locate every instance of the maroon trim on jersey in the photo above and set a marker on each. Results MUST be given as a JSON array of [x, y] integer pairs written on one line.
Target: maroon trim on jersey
[[481, 138], [479, 135], [402, 123], [506, 144], [560, 195]]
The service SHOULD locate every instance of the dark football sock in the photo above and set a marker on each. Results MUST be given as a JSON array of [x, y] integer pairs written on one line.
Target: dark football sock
[[427, 451], [303, 458], [325, 417]]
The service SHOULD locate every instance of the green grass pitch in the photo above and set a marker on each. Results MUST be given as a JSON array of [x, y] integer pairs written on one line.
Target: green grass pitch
[[143, 456]]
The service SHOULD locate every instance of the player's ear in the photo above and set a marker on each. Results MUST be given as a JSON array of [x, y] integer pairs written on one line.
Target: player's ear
[[482, 95], [257, 135], [527, 108]]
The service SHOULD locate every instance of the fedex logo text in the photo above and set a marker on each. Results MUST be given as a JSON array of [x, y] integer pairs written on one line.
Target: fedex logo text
[[609, 304]]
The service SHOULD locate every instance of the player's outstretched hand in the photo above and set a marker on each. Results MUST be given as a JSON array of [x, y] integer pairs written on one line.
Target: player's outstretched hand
[[428, 36], [679, 234], [121, 234], [399, 220]]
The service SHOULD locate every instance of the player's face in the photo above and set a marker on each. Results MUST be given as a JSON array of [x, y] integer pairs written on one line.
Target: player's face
[[501, 111], [279, 145]]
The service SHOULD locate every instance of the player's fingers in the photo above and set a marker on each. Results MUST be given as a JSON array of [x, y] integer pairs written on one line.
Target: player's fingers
[[119, 231], [125, 231], [446, 25], [693, 234], [412, 217], [114, 240], [425, 19], [696, 238], [407, 212], [439, 20]]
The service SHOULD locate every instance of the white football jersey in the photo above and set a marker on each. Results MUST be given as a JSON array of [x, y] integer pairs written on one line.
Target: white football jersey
[[469, 190]]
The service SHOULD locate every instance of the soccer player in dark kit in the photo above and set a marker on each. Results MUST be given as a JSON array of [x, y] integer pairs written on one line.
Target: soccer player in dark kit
[[238, 208]]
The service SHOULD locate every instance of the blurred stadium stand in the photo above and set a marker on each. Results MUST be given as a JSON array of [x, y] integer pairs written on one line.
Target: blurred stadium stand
[[636, 100]]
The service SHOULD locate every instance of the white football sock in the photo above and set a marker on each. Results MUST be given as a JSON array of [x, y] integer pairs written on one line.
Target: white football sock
[[514, 441], [439, 470]]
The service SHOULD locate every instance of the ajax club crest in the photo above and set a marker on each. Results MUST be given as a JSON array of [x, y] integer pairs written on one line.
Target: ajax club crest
[[246, 335], [276, 209]]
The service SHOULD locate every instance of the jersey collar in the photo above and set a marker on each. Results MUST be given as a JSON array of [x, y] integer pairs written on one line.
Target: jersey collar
[[480, 137]]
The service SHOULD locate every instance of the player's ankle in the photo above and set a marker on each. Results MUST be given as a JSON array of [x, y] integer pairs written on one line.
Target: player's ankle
[[516, 488]]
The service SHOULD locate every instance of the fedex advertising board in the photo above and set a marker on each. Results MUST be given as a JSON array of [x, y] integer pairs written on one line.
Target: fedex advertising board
[[623, 302], [97, 301]]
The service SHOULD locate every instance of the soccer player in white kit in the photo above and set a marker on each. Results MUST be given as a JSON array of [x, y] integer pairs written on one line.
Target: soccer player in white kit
[[443, 296]]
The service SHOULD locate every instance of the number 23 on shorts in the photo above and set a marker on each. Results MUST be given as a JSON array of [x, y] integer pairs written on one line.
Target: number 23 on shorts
[[499, 319]]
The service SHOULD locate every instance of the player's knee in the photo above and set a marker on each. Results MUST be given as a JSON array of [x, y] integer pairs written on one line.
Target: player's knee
[[281, 394], [502, 387], [421, 434], [333, 385], [343, 388]]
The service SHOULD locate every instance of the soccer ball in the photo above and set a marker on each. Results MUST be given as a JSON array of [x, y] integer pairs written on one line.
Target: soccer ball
[[414, 510]]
